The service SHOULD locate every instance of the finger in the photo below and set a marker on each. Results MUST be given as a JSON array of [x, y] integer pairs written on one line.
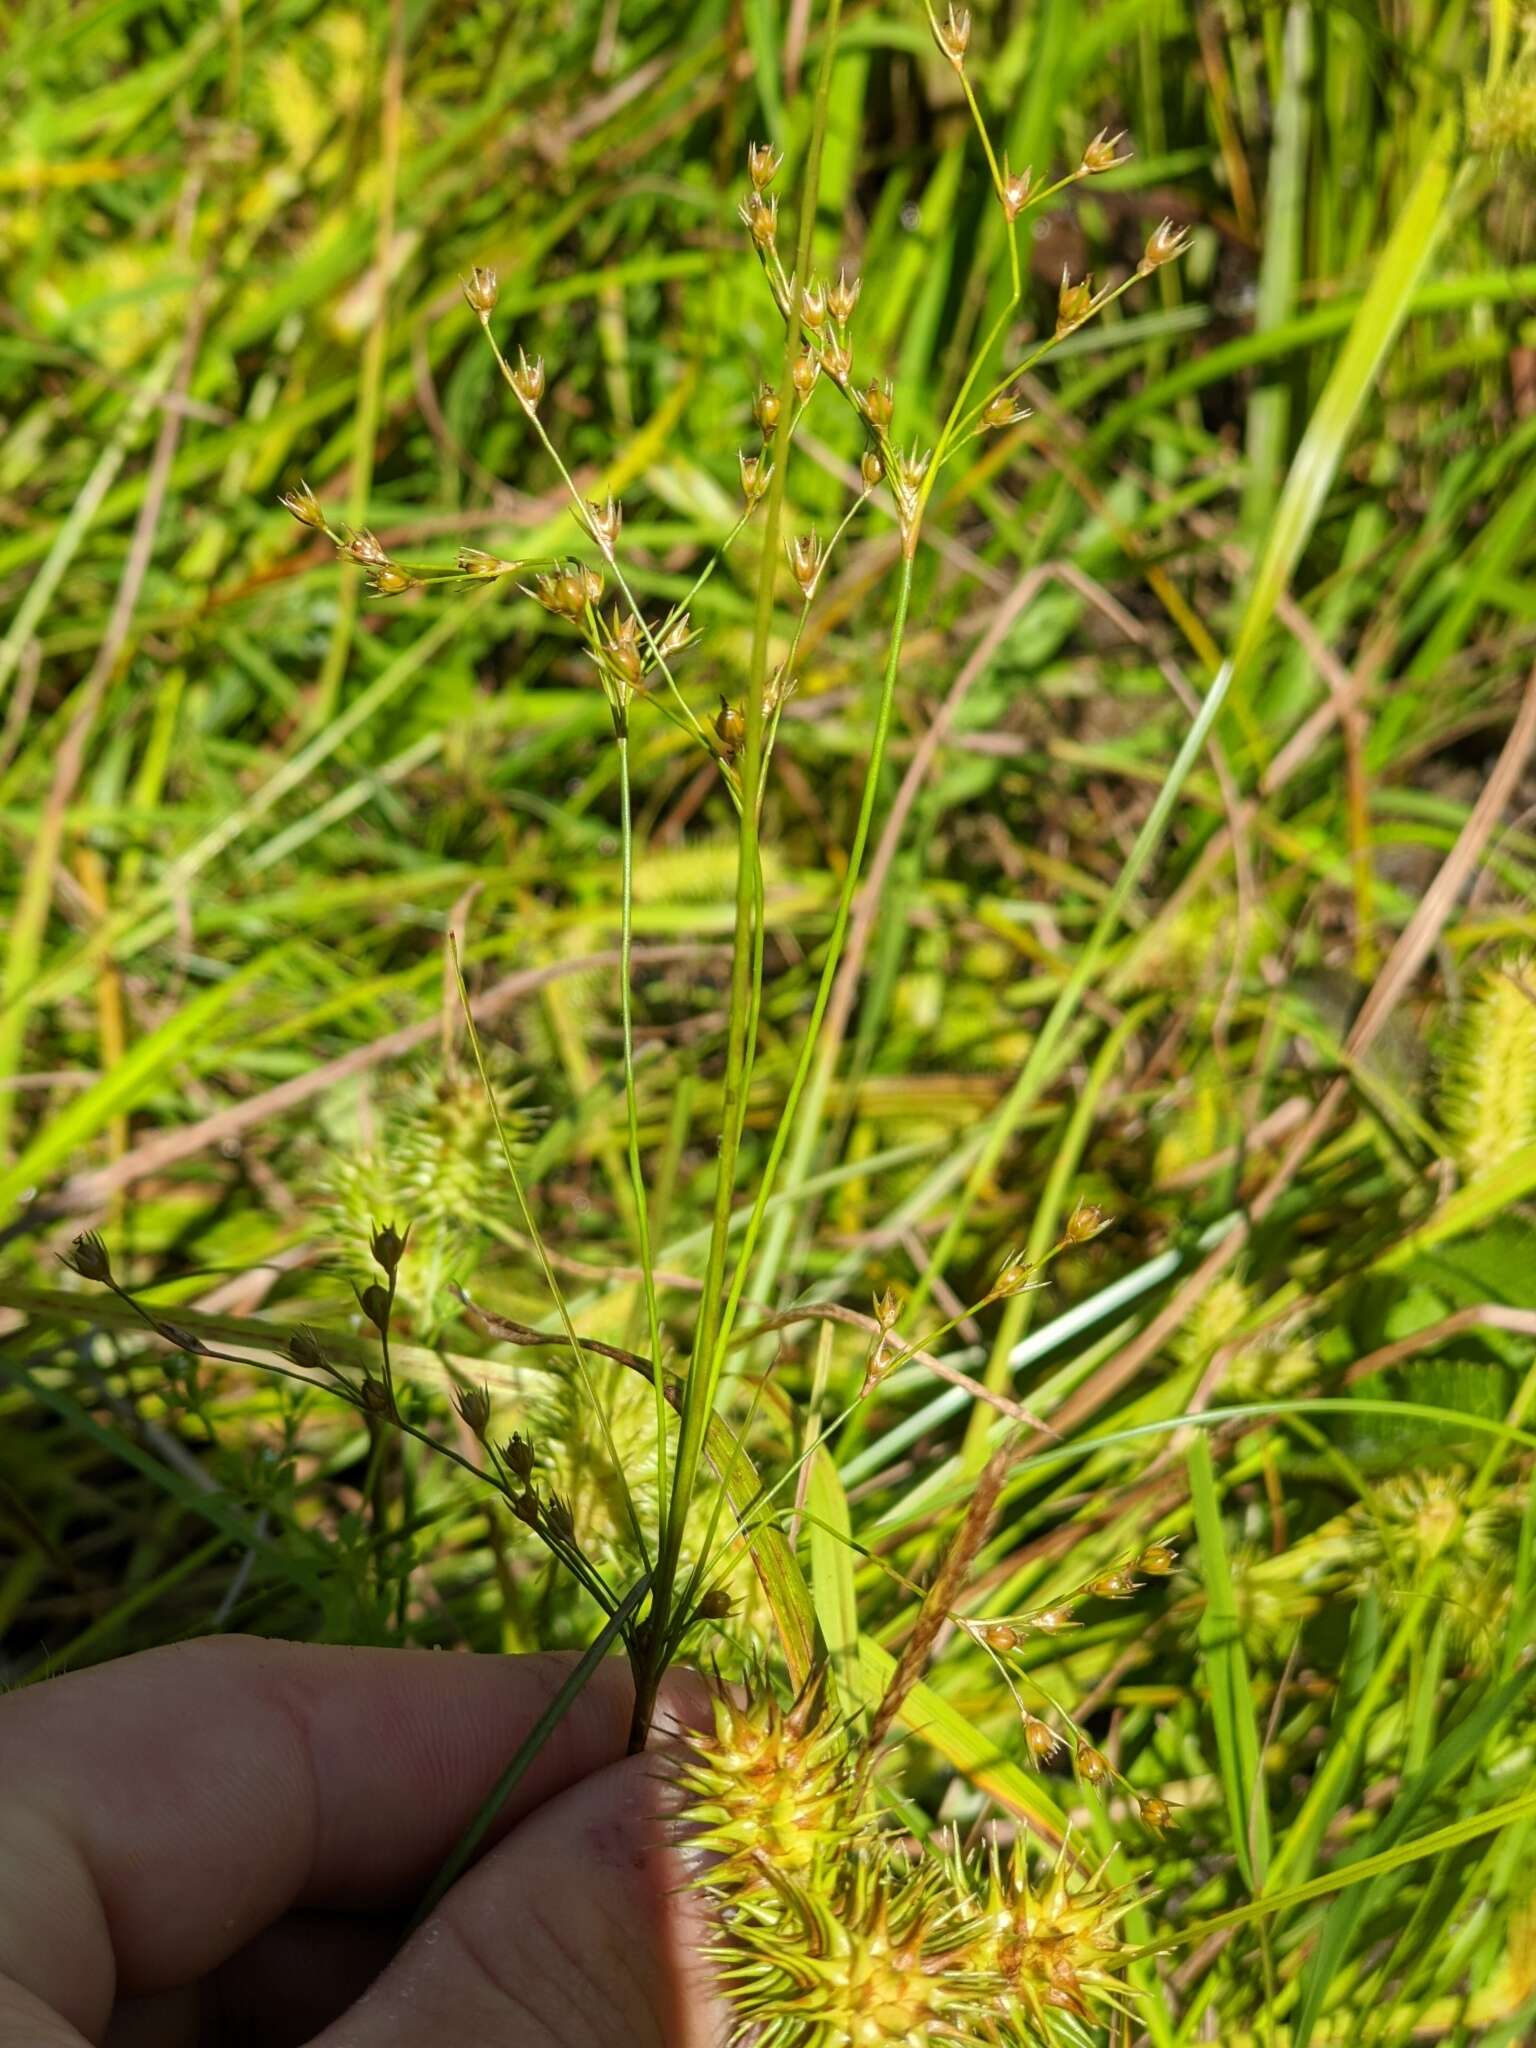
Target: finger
[[283, 1987], [578, 1932], [161, 1811]]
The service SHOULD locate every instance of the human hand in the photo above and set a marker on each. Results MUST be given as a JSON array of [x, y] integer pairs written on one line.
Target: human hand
[[220, 1843]]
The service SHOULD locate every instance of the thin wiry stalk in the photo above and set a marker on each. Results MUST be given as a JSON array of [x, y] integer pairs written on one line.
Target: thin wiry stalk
[[747, 956]]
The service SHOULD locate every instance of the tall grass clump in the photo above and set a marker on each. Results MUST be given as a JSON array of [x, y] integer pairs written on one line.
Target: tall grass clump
[[946, 813]]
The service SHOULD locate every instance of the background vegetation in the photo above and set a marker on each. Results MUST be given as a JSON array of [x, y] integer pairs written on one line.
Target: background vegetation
[[243, 800]]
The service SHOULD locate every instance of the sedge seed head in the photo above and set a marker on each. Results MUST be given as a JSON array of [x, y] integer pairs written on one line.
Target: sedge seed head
[[805, 559], [604, 521], [304, 505], [1074, 302], [756, 474], [474, 1406], [304, 1350], [763, 162], [366, 548], [760, 216], [88, 1257], [879, 403], [1041, 1740], [1165, 244], [1015, 189], [1104, 153], [476, 562], [844, 296], [837, 359], [480, 289], [953, 34], [1113, 1585], [730, 729], [388, 579], [528, 380], [520, 1457], [1086, 1221]]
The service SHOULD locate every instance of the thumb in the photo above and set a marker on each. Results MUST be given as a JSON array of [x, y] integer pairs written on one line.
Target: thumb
[[576, 1932]]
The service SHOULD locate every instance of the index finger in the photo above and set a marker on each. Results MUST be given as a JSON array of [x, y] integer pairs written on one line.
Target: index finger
[[162, 1810]]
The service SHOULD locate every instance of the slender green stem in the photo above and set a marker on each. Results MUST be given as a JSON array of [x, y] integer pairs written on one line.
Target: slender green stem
[[631, 1098], [746, 959]]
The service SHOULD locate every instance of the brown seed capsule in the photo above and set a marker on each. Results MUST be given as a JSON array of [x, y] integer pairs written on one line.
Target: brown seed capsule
[[1086, 1221], [716, 1605], [730, 729], [604, 522], [366, 548], [1015, 189], [563, 593], [1052, 1621], [765, 408], [837, 360], [879, 402], [1165, 244], [871, 468], [997, 1635], [388, 579], [480, 290], [1159, 1559], [813, 304], [1092, 1764], [1156, 1813], [756, 474], [807, 368], [763, 161], [844, 296], [528, 380], [1074, 302], [304, 505], [1115, 1585], [953, 34], [476, 562], [760, 217], [1103, 153], [805, 559], [526, 1508], [1003, 410], [1013, 1278], [87, 1256], [474, 1405], [1043, 1741]]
